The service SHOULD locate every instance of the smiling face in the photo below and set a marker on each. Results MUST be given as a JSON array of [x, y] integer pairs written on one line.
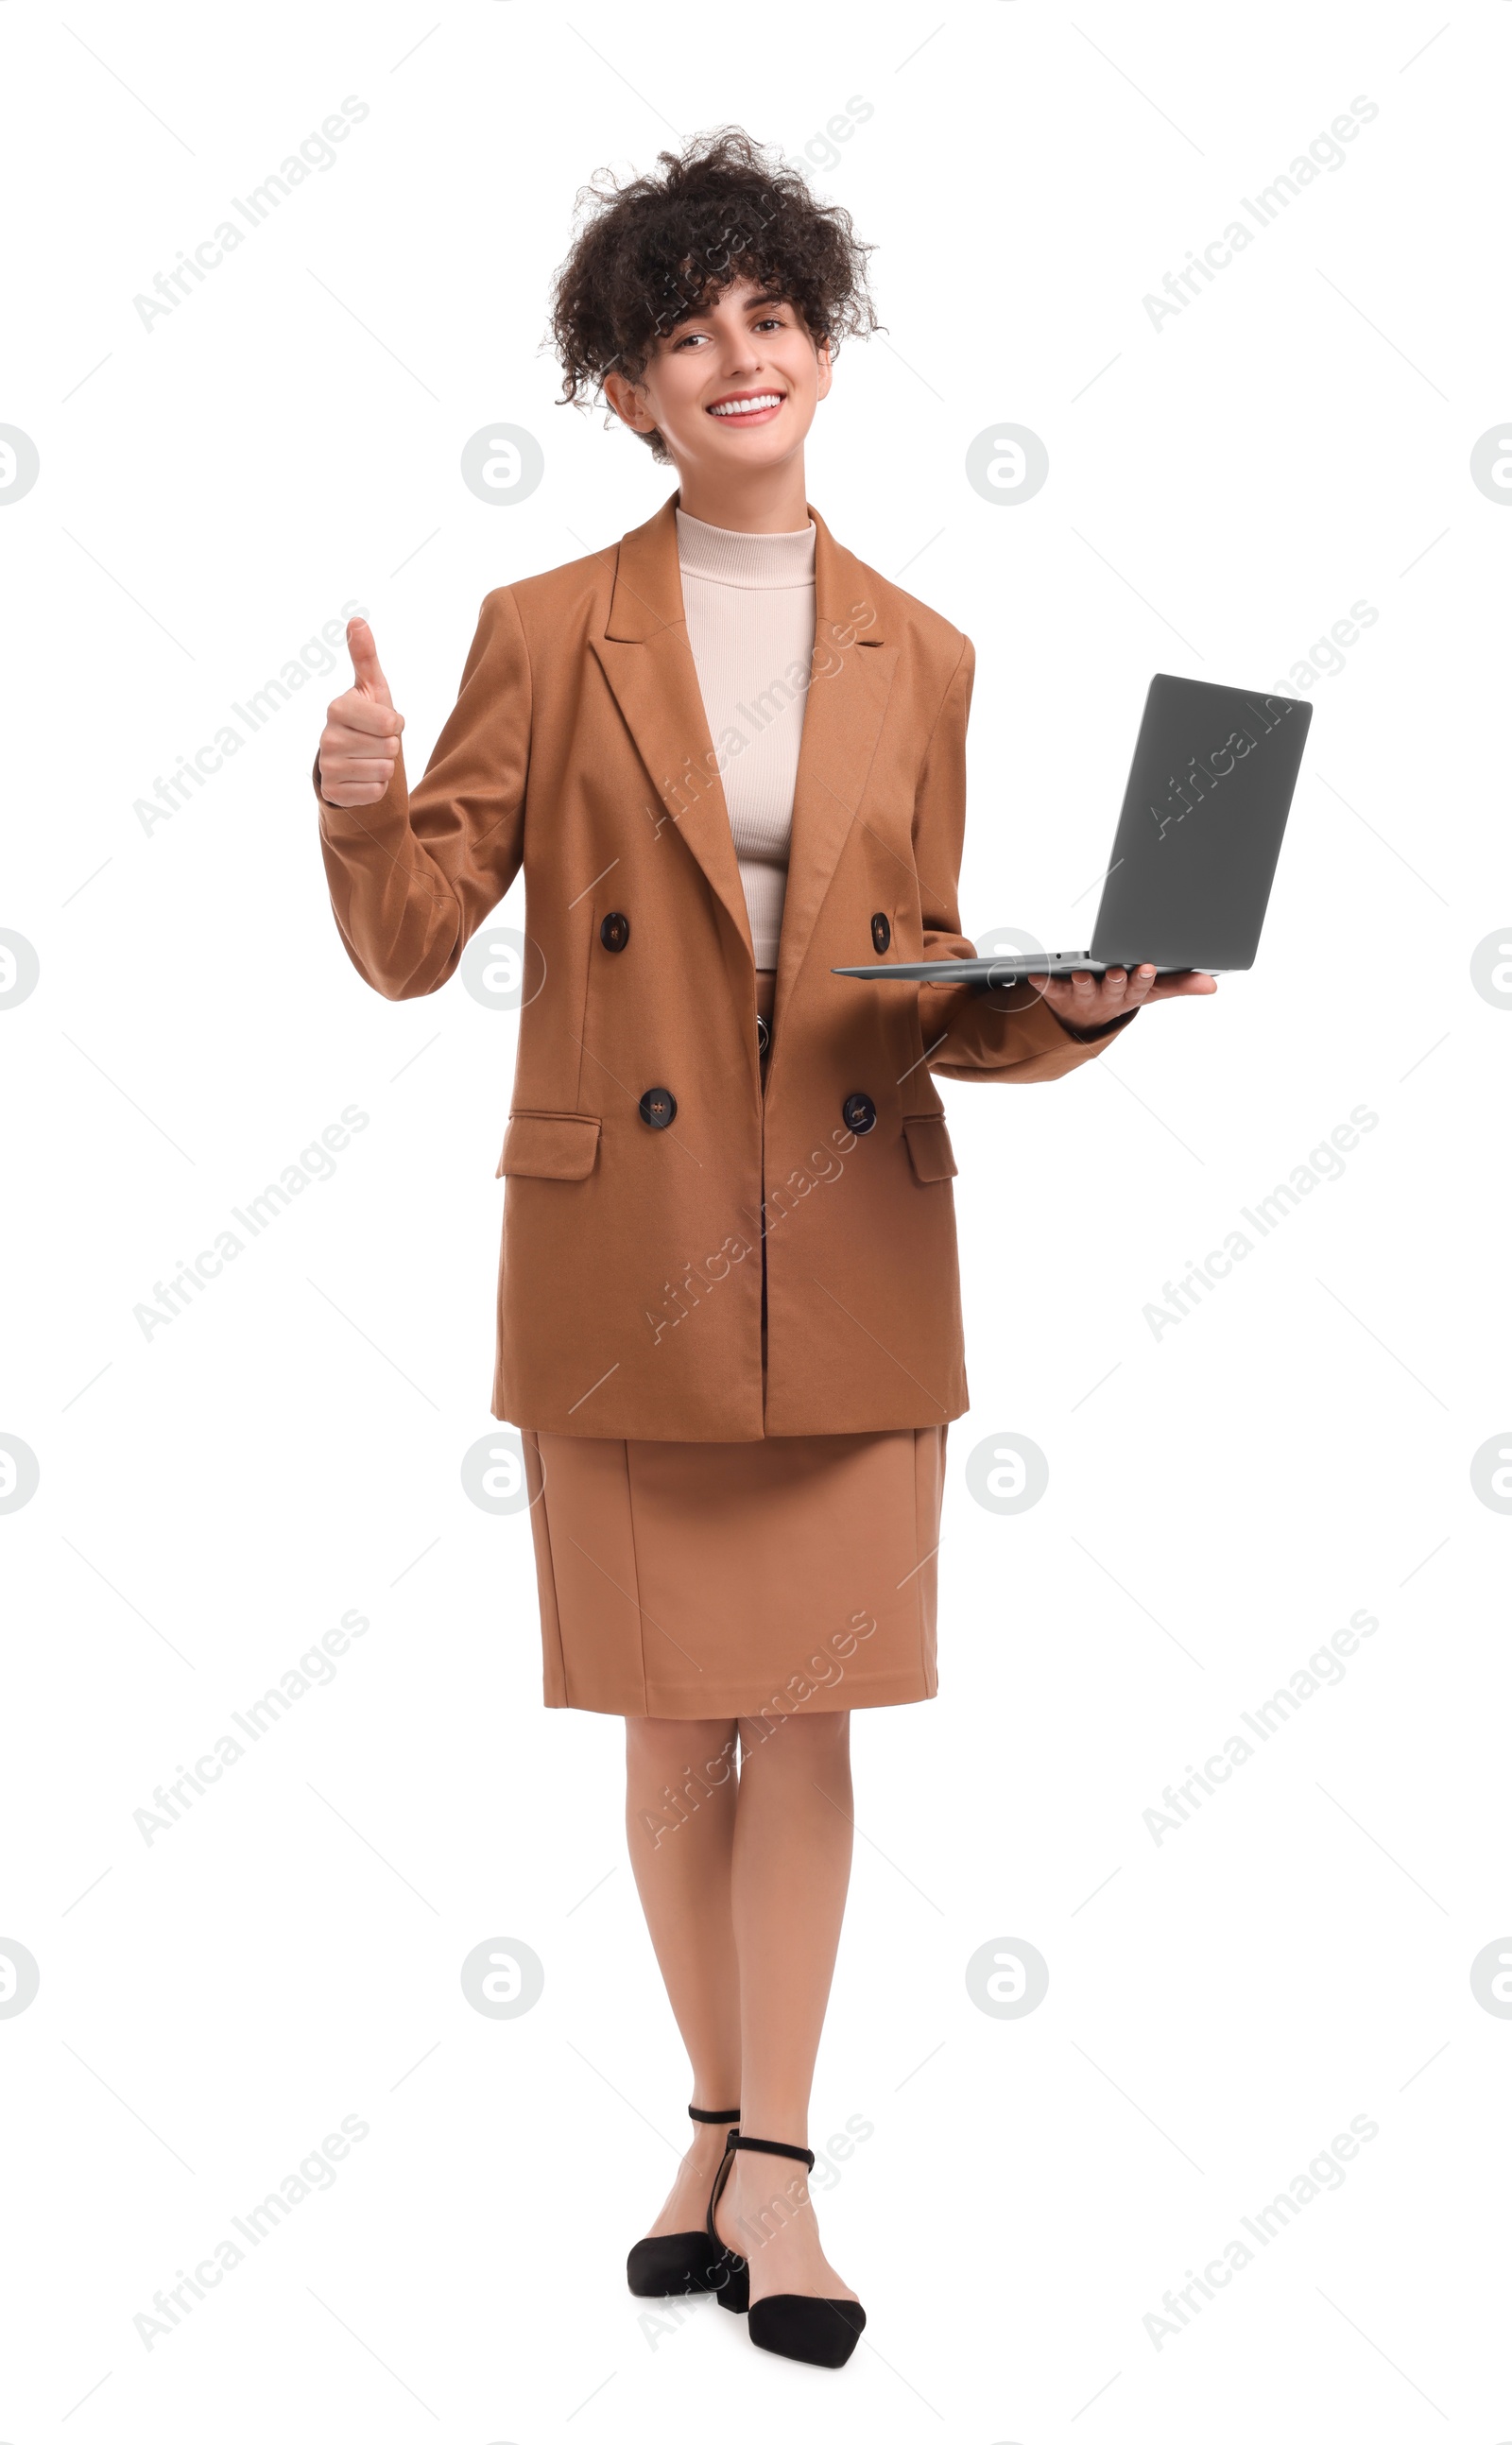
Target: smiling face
[[731, 390]]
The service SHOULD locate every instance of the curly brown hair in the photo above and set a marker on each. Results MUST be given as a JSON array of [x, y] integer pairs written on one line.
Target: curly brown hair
[[652, 252]]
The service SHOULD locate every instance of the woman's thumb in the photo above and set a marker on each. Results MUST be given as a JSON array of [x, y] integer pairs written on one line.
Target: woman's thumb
[[367, 669]]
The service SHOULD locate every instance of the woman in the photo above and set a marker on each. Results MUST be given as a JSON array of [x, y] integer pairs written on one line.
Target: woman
[[730, 757]]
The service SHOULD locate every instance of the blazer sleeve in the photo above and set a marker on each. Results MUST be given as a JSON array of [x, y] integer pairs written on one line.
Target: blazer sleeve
[[413, 876], [1012, 1035]]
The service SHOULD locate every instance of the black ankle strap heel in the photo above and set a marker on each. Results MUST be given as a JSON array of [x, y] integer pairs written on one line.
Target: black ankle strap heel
[[673, 2262], [797, 2326], [730, 2277], [771, 2147]]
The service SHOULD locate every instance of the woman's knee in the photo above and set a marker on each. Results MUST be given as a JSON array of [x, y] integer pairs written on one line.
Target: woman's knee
[[666, 1746], [802, 1738]]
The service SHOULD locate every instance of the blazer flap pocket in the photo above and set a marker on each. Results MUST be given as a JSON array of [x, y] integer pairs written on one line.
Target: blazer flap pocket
[[549, 1145], [930, 1147]]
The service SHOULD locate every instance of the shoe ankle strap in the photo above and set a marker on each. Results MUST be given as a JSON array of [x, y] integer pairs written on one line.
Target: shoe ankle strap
[[771, 2147], [714, 2113]]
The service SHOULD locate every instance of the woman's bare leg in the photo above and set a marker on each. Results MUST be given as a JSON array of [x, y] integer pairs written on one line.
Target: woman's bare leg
[[681, 1850], [791, 1866]]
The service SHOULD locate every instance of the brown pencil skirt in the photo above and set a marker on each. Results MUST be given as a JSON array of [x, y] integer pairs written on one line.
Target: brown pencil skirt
[[707, 1580]]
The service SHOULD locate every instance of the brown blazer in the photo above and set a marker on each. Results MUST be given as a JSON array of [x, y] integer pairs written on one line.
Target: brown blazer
[[631, 1286]]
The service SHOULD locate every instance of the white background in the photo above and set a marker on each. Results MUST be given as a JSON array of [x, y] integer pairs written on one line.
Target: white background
[[1221, 2004]]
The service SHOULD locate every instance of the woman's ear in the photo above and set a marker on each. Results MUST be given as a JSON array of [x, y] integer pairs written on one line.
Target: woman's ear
[[628, 402], [825, 369]]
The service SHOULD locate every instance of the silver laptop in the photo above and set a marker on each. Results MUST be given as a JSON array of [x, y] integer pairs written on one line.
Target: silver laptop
[[1210, 791]]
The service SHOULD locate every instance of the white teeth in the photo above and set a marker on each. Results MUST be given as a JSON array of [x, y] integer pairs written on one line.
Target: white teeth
[[746, 406]]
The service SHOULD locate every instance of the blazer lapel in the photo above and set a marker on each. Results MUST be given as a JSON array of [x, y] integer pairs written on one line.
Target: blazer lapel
[[648, 663], [848, 697]]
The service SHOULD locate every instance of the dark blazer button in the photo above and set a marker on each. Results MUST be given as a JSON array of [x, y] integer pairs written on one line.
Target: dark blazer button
[[859, 1113], [880, 933], [763, 1034], [659, 1106], [615, 931]]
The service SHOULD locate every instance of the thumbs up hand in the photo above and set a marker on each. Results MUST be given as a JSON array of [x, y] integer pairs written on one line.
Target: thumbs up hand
[[360, 741]]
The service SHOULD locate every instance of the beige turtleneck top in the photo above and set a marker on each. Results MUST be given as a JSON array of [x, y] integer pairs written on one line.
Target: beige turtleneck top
[[749, 602]]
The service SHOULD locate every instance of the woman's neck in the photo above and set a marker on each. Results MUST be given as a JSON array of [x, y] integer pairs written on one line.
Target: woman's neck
[[771, 500]]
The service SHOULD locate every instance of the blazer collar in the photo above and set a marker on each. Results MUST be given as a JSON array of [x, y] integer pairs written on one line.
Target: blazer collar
[[648, 592], [645, 652]]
